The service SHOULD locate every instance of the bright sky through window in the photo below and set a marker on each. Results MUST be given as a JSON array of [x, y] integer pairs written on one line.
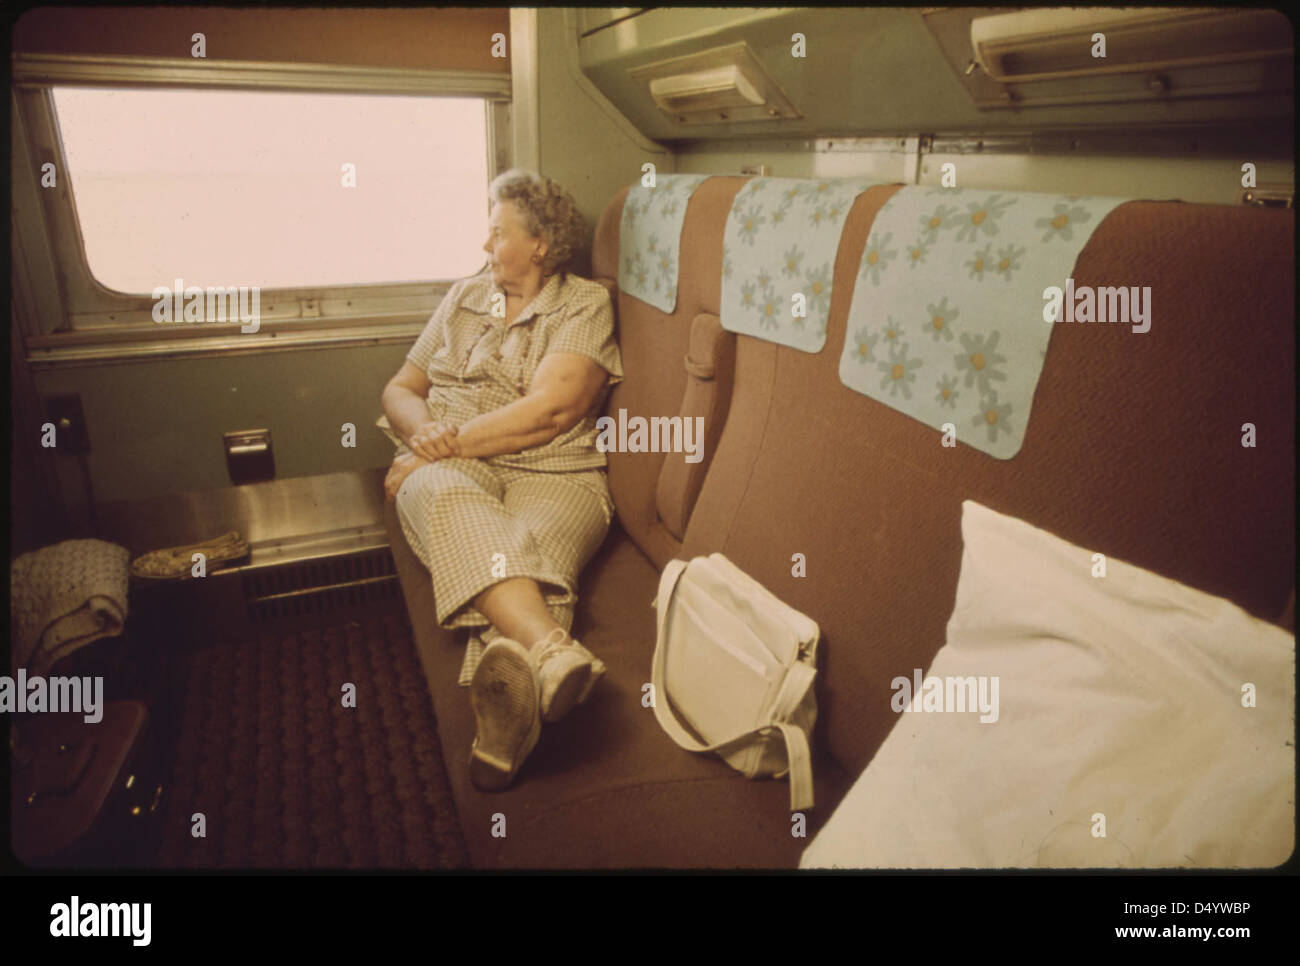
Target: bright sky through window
[[239, 188]]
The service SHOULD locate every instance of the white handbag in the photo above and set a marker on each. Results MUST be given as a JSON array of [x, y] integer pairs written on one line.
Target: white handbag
[[737, 665]]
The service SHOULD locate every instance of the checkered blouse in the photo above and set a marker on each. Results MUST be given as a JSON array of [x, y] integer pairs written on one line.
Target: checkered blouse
[[476, 363]]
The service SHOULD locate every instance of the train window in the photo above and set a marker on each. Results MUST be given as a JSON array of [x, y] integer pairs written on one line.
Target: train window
[[223, 187]]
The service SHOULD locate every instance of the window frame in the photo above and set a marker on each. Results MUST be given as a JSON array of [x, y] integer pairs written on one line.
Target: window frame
[[93, 321]]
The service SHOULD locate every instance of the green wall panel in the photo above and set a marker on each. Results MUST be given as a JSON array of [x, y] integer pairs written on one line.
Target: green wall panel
[[156, 426]]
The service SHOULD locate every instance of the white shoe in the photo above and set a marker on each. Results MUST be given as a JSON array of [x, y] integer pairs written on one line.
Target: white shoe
[[567, 672], [505, 697]]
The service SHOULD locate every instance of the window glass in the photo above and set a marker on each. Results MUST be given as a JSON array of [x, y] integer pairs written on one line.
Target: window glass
[[230, 188]]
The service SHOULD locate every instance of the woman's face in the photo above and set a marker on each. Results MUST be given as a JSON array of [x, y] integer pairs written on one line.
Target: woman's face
[[510, 248]]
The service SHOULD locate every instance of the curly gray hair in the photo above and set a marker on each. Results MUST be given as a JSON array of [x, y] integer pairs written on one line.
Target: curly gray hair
[[548, 210]]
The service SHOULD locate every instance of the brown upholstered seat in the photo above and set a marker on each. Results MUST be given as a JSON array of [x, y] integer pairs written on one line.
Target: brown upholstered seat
[[1133, 448]]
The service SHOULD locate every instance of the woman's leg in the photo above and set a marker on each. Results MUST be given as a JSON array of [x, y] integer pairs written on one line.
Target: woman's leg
[[564, 524], [567, 522], [517, 609]]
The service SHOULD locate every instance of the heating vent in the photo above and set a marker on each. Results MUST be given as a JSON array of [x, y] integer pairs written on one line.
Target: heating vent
[[319, 586]]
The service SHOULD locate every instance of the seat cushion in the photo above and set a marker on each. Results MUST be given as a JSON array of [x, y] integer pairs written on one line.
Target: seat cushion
[[606, 787]]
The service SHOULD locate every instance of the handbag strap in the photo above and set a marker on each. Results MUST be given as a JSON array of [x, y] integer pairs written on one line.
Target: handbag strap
[[798, 679], [799, 757]]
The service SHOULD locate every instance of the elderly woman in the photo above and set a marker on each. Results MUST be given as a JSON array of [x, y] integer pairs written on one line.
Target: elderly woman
[[500, 488]]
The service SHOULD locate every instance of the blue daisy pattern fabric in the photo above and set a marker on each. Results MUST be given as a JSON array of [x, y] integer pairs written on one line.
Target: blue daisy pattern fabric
[[650, 238], [780, 240], [946, 323]]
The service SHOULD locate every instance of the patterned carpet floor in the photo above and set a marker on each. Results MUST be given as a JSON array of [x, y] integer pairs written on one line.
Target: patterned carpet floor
[[286, 777]]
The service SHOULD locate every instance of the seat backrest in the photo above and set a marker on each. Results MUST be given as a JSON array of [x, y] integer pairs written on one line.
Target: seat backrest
[[1133, 447]]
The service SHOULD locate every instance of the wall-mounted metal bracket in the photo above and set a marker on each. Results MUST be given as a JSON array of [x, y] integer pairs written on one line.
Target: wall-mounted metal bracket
[[249, 458], [1269, 196]]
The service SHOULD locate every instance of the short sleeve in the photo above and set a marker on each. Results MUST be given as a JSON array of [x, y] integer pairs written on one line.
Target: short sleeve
[[434, 334], [589, 331]]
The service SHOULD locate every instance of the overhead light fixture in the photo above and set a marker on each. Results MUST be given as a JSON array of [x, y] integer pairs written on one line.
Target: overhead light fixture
[[1033, 45], [712, 89], [1040, 57], [723, 85]]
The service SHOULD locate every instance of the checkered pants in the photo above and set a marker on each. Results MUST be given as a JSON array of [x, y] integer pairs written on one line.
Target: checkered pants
[[473, 525]]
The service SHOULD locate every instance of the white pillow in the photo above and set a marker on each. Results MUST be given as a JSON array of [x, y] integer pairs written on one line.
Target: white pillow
[[1118, 697]]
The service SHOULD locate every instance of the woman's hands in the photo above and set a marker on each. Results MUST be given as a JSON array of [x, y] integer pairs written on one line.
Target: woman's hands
[[431, 441], [435, 441], [403, 466]]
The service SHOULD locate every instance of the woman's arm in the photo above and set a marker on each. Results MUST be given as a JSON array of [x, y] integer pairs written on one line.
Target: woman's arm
[[564, 389], [404, 402], [404, 399]]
